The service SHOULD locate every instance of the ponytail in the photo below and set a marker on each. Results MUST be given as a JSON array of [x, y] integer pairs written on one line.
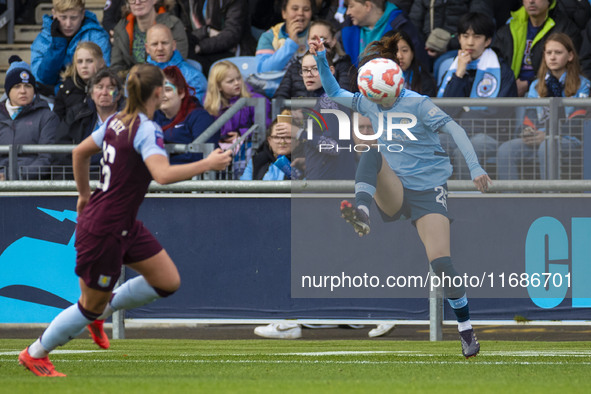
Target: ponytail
[[143, 79]]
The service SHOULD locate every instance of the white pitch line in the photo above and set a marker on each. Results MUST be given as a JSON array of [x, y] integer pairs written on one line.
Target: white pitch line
[[17, 352], [405, 353], [319, 362], [346, 353]]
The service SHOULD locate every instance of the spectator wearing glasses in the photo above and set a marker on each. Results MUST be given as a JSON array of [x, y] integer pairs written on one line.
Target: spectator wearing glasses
[[323, 163], [277, 143], [129, 35], [292, 84]]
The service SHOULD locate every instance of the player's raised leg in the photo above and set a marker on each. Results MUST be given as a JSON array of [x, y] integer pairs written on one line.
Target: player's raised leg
[[374, 179], [158, 278], [435, 234]]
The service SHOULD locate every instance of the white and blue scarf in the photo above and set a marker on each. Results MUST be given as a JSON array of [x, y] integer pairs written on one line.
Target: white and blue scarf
[[487, 81]]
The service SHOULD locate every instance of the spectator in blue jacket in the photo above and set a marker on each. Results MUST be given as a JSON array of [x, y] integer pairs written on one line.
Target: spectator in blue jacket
[[285, 42], [372, 19], [181, 116], [54, 47], [477, 72], [162, 52]]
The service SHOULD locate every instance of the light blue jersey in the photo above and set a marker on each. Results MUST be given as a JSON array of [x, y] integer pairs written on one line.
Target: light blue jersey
[[147, 138], [420, 164], [412, 149]]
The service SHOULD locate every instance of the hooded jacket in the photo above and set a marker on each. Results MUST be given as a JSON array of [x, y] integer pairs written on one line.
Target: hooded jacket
[[50, 55]]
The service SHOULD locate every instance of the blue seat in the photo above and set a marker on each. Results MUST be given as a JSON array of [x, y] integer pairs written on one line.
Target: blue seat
[[246, 64]]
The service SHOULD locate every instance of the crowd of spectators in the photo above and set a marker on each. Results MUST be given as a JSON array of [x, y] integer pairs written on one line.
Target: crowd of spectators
[[447, 48]]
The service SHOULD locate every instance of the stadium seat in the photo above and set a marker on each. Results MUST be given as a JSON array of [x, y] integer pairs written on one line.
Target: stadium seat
[[195, 64], [246, 64]]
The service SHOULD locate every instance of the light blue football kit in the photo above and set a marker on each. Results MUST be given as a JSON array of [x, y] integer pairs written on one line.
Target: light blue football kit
[[422, 164]]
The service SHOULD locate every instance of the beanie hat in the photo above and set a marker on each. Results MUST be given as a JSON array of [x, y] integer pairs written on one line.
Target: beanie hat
[[18, 72]]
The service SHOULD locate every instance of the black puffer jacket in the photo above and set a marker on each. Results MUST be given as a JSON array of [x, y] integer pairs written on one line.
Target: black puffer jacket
[[69, 95], [229, 17], [292, 84]]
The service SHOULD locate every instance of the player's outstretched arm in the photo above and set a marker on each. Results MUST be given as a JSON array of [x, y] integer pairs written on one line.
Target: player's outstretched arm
[[329, 82], [164, 173], [81, 166], [479, 176]]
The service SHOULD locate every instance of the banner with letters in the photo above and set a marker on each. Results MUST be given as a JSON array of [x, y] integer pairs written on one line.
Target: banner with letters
[[277, 257]]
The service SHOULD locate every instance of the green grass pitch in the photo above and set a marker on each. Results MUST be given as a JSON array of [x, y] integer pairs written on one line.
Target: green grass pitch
[[300, 366]]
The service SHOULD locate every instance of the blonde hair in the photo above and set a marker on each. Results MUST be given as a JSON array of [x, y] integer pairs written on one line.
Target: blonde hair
[[96, 53], [67, 5], [142, 81], [214, 100]]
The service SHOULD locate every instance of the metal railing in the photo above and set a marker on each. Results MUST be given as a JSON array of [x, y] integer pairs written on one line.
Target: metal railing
[[561, 160]]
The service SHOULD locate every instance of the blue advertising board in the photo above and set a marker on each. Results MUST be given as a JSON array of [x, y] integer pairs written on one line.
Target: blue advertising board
[[243, 257]]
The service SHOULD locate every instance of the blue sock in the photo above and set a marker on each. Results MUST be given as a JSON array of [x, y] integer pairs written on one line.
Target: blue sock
[[366, 177], [460, 307]]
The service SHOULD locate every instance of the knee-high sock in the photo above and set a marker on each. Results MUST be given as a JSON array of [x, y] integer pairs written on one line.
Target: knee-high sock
[[366, 177], [133, 293], [456, 295], [66, 326]]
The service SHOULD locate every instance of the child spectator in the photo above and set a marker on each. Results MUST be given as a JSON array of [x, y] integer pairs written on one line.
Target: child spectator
[[225, 86], [88, 59], [54, 47]]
